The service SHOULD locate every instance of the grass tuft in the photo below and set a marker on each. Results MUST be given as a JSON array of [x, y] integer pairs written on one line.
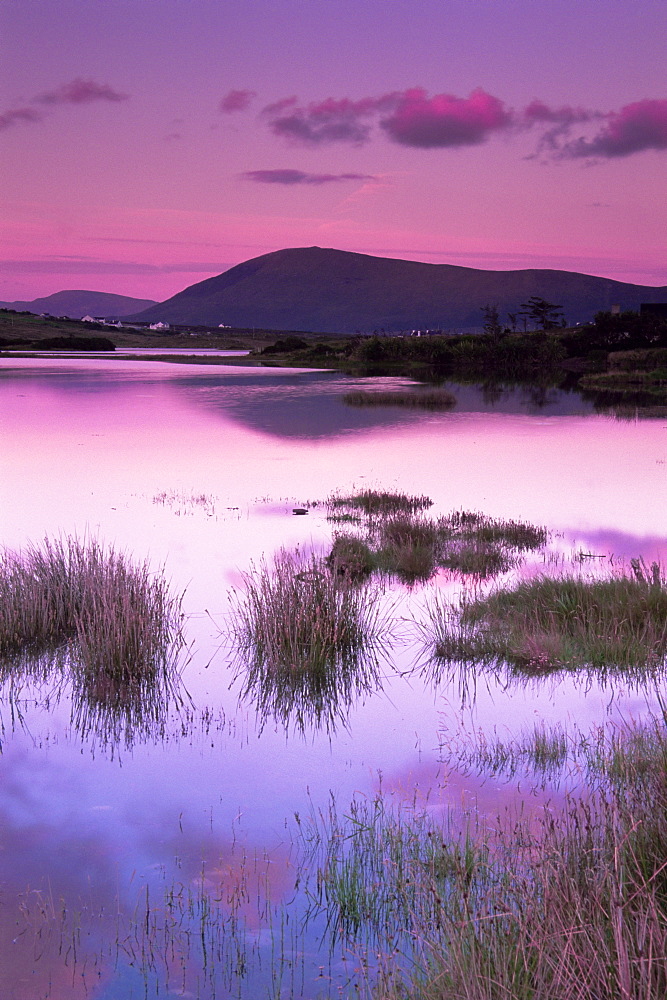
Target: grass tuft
[[118, 619], [307, 638], [399, 540], [379, 503]]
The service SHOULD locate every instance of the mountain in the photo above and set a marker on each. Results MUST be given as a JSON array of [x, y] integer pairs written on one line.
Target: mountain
[[76, 304], [333, 291]]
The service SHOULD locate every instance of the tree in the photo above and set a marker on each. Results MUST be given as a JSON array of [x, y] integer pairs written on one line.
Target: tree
[[492, 320], [544, 314]]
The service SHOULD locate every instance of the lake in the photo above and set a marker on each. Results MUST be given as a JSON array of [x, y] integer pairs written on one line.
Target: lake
[[159, 859]]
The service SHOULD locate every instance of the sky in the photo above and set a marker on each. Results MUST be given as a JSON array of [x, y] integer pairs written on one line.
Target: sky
[[149, 144]]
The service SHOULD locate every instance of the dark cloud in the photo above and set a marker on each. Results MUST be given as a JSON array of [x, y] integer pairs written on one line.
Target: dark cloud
[[537, 112], [291, 177], [331, 120], [635, 128], [80, 91], [16, 115], [236, 100], [445, 120]]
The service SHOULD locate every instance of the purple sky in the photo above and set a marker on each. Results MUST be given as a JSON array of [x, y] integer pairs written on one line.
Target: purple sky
[[148, 145]]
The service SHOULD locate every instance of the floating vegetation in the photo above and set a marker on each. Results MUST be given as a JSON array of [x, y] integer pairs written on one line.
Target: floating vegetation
[[306, 639], [428, 399], [554, 623], [184, 502], [399, 540]]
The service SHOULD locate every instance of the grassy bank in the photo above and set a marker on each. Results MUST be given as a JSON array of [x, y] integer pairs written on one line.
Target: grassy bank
[[567, 622], [434, 399]]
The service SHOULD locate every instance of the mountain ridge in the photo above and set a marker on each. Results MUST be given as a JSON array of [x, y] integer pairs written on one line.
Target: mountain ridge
[[337, 291], [75, 303]]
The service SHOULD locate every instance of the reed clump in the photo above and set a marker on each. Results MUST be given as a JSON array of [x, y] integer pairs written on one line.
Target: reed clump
[[431, 399], [560, 622], [307, 638], [118, 620]]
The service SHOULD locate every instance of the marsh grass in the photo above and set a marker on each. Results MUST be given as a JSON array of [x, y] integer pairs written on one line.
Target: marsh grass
[[567, 906], [306, 639], [431, 399], [378, 503], [554, 623], [474, 526], [118, 620], [398, 539]]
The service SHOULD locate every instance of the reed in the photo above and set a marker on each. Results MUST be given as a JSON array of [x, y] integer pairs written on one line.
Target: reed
[[119, 621], [568, 906], [306, 638]]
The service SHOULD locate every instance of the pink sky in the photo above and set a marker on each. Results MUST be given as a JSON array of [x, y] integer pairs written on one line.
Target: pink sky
[[146, 146]]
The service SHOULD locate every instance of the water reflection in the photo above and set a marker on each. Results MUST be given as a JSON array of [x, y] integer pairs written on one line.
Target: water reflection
[[93, 445], [107, 712]]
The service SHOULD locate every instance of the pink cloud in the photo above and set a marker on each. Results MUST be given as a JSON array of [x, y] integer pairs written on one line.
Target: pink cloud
[[16, 115], [291, 177], [446, 120], [413, 118], [236, 100], [634, 129], [80, 91]]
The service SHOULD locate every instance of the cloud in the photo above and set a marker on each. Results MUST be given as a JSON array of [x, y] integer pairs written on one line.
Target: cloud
[[412, 118], [331, 120], [445, 120], [16, 115], [635, 128], [90, 265], [537, 112], [236, 100], [291, 177], [80, 91]]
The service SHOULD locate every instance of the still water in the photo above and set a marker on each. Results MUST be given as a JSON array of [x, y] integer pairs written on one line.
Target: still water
[[160, 860]]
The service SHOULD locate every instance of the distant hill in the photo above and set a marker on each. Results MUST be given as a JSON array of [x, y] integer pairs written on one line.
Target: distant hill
[[77, 303], [333, 291]]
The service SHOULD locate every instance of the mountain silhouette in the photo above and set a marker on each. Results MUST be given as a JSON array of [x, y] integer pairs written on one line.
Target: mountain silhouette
[[334, 291]]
